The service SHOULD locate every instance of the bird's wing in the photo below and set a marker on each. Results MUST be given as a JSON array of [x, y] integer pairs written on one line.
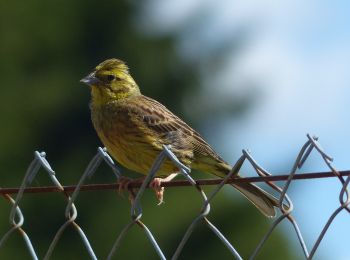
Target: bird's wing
[[168, 126]]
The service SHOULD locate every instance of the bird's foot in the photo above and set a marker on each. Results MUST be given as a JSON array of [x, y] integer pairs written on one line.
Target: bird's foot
[[124, 183], [155, 184], [158, 189]]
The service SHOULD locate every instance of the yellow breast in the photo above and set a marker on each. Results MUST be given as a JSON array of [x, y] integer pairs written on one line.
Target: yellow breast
[[128, 143]]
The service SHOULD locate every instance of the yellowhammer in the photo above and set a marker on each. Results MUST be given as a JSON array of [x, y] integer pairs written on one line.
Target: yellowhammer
[[134, 129]]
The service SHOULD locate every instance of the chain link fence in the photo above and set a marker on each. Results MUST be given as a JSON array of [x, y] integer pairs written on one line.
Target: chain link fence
[[16, 217]]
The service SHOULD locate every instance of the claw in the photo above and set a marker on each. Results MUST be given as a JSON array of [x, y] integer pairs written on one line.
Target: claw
[[123, 184], [159, 191], [132, 196], [156, 186]]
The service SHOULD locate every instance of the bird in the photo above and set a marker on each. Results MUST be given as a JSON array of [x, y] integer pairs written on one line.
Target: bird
[[134, 128]]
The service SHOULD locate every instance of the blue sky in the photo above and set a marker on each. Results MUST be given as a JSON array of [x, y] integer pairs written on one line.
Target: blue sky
[[299, 54]]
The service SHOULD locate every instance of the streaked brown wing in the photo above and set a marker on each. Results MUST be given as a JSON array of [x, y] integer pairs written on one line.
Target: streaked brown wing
[[167, 125]]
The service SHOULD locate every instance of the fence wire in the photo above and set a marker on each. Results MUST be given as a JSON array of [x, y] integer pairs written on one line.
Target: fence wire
[[16, 217]]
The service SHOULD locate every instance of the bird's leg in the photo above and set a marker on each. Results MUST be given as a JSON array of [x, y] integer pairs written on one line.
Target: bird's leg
[[124, 183], [156, 186]]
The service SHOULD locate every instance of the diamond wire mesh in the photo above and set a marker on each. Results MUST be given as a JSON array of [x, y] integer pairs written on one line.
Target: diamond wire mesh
[[16, 218]]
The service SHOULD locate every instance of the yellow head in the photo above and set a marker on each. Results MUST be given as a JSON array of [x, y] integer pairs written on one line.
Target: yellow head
[[111, 81]]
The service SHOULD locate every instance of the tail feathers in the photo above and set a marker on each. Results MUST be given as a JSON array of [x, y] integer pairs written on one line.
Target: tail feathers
[[264, 201]]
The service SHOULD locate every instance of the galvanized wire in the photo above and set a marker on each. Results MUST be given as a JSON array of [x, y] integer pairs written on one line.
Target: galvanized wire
[[16, 218]]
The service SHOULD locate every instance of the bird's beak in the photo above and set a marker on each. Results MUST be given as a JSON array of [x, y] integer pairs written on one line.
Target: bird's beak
[[90, 79]]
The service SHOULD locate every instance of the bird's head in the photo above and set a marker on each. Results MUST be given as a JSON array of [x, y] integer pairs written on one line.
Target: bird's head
[[110, 81]]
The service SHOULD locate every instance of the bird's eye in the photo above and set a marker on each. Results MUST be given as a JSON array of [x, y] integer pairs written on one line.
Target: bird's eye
[[110, 77]]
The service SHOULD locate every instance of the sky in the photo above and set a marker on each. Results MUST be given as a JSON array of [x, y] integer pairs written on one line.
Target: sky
[[299, 54]]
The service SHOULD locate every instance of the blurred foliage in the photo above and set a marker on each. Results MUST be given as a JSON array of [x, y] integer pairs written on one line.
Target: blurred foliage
[[45, 48]]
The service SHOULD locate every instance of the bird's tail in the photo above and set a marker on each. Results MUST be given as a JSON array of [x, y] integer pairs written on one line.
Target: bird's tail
[[261, 199]]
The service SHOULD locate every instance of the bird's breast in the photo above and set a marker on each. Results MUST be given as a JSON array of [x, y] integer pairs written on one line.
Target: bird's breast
[[127, 141]]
